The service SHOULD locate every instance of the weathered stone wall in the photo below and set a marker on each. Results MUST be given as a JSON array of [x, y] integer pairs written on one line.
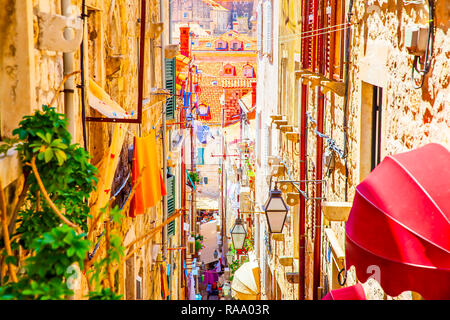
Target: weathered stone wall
[[410, 118]]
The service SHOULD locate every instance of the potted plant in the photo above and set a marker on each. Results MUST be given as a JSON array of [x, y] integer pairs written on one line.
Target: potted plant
[[198, 244]]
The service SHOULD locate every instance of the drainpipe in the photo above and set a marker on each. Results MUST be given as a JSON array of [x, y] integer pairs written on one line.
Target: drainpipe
[[319, 160], [303, 168], [84, 72], [69, 86], [302, 222]]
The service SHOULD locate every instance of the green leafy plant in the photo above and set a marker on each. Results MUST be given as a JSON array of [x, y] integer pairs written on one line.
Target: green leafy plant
[[104, 294], [45, 271], [59, 180], [6, 145], [198, 243], [194, 176]]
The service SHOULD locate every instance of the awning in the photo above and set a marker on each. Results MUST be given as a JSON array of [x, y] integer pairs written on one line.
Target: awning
[[246, 282], [355, 292], [399, 226]]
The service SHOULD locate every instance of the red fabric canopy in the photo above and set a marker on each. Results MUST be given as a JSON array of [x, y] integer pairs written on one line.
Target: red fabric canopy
[[399, 226], [355, 292]]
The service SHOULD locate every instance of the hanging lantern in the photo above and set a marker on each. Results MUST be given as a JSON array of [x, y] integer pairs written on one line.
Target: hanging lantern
[[238, 234], [226, 289], [276, 211]]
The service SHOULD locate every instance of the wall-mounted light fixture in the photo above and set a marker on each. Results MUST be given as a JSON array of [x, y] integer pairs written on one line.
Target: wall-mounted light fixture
[[238, 234], [276, 211]]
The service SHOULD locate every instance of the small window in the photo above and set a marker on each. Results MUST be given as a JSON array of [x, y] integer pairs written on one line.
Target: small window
[[138, 288], [186, 15], [236, 45], [221, 45], [248, 71], [208, 45], [376, 126], [229, 70]]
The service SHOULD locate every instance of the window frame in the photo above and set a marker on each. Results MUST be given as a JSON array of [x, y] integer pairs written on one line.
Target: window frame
[[376, 132]]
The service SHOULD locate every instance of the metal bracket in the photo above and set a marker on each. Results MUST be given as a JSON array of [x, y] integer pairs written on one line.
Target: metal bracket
[[59, 33]]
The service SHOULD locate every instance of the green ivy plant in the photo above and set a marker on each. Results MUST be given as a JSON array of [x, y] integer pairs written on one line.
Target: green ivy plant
[[51, 246]]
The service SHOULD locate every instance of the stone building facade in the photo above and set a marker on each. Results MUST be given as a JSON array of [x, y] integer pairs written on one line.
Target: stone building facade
[[379, 85], [31, 71]]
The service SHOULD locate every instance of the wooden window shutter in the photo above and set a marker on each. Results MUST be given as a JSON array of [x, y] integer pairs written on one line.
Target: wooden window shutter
[[170, 203], [171, 76], [329, 21], [307, 41]]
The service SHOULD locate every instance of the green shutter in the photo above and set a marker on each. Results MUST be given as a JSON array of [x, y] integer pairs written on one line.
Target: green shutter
[[170, 203], [171, 78]]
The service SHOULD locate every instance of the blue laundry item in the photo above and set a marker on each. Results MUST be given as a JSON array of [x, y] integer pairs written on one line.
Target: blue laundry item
[[203, 133], [200, 156]]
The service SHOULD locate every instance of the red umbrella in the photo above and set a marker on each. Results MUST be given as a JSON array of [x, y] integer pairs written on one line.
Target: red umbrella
[[355, 292], [399, 225]]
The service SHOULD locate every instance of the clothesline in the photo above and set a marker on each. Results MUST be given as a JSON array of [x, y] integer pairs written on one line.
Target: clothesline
[[300, 37]]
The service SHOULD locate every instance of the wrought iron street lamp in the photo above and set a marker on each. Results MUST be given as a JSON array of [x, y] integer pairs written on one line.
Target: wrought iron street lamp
[[238, 234], [276, 211]]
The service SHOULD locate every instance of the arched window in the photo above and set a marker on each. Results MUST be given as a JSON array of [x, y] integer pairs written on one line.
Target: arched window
[[236, 45], [228, 70], [221, 45], [248, 71]]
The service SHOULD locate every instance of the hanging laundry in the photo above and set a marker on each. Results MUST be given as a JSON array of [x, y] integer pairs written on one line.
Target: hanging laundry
[[102, 102], [108, 170], [164, 282], [202, 132], [210, 277], [177, 139], [191, 287], [151, 187], [187, 98], [200, 156]]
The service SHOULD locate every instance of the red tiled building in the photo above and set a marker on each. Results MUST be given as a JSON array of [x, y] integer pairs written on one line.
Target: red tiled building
[[224, 76]]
